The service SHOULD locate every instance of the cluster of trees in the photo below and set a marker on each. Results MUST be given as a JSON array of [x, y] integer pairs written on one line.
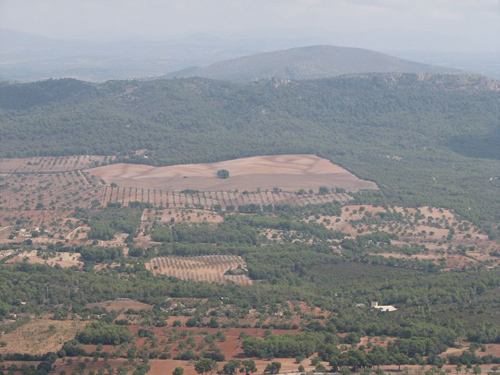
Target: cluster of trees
[[239, 229], [100, 254], [303, 229], [415, 351], [469, 357], [226, 232], [311, 271], [284, 346], [223, 174], [105, 223], [104, 333]]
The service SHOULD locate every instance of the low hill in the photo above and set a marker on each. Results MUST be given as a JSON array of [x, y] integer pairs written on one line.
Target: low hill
[[309, 63], [425, 139]]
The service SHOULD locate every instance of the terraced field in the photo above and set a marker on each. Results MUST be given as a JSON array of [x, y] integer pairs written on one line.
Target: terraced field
[[208, 199], [208, 268], [60, 190], [52, 164]]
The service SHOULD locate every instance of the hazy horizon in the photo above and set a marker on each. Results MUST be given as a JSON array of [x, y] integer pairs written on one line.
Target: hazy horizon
[[464, 25], [97, 41]]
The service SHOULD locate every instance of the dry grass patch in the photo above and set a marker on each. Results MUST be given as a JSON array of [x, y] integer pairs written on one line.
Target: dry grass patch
[[41, 336], [64, 260], [121, 304]]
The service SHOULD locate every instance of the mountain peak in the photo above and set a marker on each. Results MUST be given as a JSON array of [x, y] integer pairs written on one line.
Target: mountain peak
[[311, 62]]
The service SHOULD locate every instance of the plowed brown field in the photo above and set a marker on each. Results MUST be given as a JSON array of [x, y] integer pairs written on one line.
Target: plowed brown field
[[288, 172]]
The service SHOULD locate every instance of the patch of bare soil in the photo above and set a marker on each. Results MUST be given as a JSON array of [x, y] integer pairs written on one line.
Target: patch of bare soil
[[288, 172], [41, 336], [64, 260], [121, 304]]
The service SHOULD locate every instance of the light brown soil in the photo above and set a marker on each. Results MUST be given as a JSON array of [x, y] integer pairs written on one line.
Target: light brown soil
[[65, 260], [35, 337], [288, 172], [181, 215], [417, 228], [162, 367], [62, 365], [122, 304], [492, 349]]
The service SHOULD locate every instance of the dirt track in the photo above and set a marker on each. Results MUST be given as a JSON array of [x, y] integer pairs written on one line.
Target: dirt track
[[288, 172]]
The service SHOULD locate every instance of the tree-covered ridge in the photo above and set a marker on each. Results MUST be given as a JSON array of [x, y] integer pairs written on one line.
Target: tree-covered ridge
[[132, 111], [25, 96], [397, 130]]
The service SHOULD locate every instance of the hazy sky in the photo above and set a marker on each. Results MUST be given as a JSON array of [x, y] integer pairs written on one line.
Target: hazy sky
[[475, 20]]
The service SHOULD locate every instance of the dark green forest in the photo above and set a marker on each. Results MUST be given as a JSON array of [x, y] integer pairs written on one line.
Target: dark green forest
[[430, 140]]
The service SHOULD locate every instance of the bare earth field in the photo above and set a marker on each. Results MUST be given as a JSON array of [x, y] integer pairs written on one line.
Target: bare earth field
[[37, 337], [288, 172], [209, 268], [121, 304]]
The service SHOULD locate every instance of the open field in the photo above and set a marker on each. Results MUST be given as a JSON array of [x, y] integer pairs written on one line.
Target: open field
[[181, 215], [52, 164], [121, 304], [288, 172], [64, 260], [41, 336], [209, 268], [288, 365]]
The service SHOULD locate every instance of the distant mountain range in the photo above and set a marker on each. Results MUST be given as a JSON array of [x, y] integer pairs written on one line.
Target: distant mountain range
[[308, 63]]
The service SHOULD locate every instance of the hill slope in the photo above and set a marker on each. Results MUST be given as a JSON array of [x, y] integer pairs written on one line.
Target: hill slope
[[424, 139], [310, 63]]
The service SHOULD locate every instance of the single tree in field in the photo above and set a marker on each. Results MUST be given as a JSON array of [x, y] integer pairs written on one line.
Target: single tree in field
[[273, 368], [232, 367], [178, 371], [248, 366], [323, 190], [205, 366], [223, 173], [401, 359], [320, 368]]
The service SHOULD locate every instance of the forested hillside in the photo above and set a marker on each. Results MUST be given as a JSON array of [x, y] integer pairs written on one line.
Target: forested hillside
[[309, 63], [425, 139]]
